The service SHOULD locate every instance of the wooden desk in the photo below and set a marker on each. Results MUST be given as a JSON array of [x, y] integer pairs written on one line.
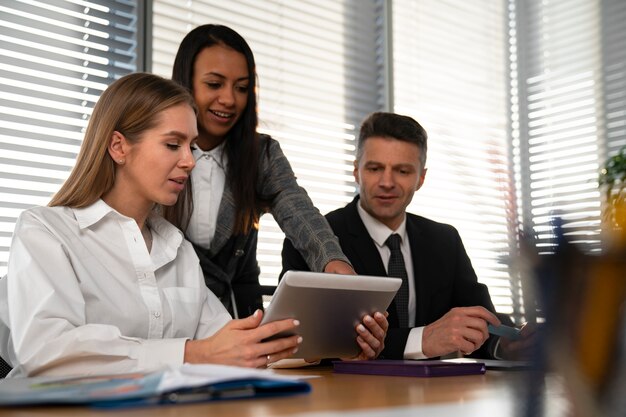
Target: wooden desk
[[330, 392]]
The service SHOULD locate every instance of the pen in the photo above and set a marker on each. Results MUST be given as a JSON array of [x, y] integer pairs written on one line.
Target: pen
[[505, 331], [207, 394]]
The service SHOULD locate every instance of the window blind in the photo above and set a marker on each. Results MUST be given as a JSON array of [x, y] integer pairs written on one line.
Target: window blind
[[449, 71], [613, 19], [318, 78], [56, 57], [559, 136]]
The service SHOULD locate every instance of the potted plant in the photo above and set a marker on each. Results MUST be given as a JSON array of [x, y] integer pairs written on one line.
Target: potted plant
[[613, 180]]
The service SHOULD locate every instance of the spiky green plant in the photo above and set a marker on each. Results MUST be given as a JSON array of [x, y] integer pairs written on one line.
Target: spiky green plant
[[613, 180]]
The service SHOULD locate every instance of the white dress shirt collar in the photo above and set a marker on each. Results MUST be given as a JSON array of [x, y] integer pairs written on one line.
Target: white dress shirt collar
[[166, 236], [217, 154], [208, 180], [378, 231], [90, 215]]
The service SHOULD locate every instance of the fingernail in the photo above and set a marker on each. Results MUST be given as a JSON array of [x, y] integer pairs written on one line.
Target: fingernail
[[296, 322], [294, 351], [299, 340], [368, 319], [361, 328], [257, 312]]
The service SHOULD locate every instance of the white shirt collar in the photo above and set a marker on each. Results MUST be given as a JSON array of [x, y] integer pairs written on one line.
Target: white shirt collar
[[377, 230], [217, 154], [90, 215]]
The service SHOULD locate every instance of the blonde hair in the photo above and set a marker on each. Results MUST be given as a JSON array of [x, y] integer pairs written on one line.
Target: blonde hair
[[131, 106]]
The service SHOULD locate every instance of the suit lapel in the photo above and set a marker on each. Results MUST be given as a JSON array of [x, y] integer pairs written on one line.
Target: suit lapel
[[225, 221], [419, 252], [363, 252]]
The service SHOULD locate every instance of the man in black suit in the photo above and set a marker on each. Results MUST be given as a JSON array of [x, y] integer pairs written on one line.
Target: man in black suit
[[445, 309]]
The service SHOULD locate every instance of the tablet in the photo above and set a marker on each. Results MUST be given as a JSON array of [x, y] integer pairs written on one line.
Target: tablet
[[328, 306]]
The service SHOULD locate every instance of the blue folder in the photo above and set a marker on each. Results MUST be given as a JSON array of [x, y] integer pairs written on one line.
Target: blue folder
[[133, 390]]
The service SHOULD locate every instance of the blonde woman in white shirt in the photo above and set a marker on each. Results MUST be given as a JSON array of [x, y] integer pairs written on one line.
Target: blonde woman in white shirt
[[99, 282]]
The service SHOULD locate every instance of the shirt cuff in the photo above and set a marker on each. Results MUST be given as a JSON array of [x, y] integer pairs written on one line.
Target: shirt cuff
[[413, 348], [161, 353], [496, 350]]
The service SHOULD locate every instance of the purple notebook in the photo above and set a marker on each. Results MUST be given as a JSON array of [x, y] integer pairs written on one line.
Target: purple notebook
[[408, 368]]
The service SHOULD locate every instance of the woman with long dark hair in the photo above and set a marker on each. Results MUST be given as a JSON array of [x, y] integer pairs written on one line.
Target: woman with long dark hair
[[241, 174]]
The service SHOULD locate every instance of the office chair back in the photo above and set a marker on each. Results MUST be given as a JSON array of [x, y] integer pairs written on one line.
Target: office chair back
[[5, 368]]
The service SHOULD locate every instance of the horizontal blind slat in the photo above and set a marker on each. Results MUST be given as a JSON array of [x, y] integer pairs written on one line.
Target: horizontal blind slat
[[316, 63], [56, 58]]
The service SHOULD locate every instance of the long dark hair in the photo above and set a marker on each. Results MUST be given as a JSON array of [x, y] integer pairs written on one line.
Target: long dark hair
[[242, 141]]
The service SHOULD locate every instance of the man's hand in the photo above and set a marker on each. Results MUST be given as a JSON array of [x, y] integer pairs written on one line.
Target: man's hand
[[372, 332], [339, 267], [462, 329], [371, 336], [520, 349], [240, 343]]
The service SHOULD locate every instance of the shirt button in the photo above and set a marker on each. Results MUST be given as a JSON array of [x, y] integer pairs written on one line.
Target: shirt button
[[157, 314]]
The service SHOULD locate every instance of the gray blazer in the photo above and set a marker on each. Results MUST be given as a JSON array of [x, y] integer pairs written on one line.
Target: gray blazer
[[230, 267]]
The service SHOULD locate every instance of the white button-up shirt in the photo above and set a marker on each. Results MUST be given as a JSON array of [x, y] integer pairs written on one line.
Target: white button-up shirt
[[83, 295], [379, 233], [207, 182]]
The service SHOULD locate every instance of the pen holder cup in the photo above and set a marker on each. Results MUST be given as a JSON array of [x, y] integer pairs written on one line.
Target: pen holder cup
[[584, 338]]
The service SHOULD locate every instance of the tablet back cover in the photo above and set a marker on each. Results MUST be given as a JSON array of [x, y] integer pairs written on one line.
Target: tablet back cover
[[329, 307]]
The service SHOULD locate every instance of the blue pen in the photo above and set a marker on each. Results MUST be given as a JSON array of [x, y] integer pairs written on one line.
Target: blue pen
[[505, 331]]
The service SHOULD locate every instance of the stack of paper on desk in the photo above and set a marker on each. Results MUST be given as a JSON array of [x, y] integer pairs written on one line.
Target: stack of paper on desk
[[189, 383], [495, 363]]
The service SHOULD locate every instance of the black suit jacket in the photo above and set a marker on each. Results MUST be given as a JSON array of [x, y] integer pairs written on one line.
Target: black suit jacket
[[443, 274]]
